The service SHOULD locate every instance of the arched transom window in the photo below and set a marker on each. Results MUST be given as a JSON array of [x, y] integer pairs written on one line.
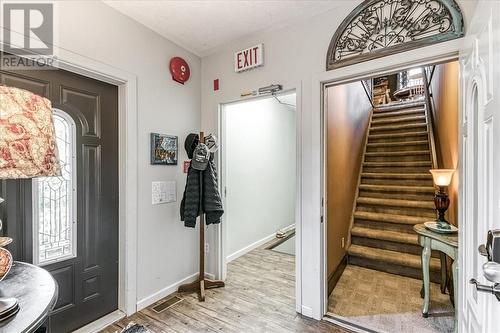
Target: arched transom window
[[54, 200], [378, 28]]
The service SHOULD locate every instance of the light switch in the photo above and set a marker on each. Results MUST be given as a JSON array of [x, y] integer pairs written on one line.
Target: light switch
[[163, 192]]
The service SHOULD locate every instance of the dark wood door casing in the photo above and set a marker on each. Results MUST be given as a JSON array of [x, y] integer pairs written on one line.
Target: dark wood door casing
[[88, 283]]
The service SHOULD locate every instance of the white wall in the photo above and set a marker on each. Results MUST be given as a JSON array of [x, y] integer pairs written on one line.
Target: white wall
[[294, 56], [94, 30], [260, 155]]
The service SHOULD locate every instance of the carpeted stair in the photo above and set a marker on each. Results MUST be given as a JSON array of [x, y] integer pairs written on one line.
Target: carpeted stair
[[395, 192]]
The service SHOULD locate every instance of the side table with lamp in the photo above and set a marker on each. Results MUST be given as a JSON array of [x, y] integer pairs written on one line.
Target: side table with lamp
[[438, 235], [27, 149]]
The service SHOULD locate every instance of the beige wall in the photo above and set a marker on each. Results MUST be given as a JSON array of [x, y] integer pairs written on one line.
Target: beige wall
[[348, 115], [446, 99]]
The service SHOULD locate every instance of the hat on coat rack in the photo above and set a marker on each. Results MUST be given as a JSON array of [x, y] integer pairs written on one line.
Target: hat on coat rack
[[190, 144], [201, 157]]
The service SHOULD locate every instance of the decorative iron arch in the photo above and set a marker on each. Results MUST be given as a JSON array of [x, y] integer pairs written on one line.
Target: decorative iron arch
[[377, 28]]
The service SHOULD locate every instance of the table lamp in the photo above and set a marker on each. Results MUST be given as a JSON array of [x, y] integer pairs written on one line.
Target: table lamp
[[27, 149], [442, 179]]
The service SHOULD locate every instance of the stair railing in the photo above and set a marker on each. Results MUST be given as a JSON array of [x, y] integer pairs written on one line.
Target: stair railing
[[368, 88], [429, 113]]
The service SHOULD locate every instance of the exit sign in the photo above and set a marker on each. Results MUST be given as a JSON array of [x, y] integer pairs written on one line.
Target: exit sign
[[249, 58]]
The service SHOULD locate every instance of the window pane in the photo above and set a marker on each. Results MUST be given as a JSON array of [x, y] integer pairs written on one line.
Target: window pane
[[54, 200]]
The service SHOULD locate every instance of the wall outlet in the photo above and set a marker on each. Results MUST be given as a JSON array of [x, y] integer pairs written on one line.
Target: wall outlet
[[207, 248], [343, 242]]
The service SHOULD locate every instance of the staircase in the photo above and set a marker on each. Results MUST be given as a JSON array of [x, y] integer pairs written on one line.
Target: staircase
[[395, 192]]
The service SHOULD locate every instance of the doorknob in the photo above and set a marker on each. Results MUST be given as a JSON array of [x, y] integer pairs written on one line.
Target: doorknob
[[491, 269], [495, 290]]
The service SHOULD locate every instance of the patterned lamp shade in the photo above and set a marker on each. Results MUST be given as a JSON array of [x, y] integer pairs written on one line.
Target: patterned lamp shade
[[27, 139]]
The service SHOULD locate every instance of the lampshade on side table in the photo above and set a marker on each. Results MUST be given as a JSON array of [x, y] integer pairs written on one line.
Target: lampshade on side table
[[27, 149], [442, 179]]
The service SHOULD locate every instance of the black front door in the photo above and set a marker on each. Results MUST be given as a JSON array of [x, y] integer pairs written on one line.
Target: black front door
[[84, 262]]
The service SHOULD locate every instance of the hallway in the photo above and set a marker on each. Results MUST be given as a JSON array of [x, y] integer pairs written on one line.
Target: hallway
[[259, 297]]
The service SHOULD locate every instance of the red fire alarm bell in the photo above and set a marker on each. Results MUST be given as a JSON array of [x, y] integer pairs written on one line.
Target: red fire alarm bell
[[179, 69]]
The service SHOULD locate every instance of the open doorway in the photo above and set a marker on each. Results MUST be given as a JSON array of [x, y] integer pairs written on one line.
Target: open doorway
[[383, 135], [258, 176]]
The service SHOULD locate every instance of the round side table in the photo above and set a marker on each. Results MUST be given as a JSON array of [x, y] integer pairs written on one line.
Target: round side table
[[35, 290]]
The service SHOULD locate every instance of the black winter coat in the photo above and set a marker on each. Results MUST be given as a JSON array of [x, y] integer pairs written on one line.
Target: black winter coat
[[211, 203]]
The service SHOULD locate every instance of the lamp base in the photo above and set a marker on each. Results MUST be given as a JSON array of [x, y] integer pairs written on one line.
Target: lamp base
[[8, 307]]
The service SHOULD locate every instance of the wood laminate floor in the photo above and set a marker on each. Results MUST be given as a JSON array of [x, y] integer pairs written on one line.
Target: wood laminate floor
[[259, 297]]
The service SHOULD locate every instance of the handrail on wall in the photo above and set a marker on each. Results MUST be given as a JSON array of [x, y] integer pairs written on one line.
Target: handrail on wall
[[430, 116]]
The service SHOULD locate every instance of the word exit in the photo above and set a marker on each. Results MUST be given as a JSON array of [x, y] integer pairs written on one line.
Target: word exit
[[249, 58]]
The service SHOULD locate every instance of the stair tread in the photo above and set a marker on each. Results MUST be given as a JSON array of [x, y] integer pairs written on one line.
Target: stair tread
[[393, 163], [396, 202], [396, 135], [399, 106], [398, 153], [387, 235], [393, 257], [391, 218], [383, 115], [390, 127], [386, 188], [398, 120], [401, 143], [396, 175]]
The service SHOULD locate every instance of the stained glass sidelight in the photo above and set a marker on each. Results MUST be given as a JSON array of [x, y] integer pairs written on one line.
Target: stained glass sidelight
[[54, 200]]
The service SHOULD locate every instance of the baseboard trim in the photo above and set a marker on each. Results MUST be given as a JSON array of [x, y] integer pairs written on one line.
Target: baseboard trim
[[255, 245], [101, 323], [307, 311], [168, 290], [336, 274]]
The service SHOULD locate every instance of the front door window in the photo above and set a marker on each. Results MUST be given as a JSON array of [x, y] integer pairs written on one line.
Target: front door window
[[54, 200]]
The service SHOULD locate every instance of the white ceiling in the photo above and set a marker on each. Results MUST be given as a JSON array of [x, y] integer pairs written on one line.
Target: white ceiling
[[201, 26]]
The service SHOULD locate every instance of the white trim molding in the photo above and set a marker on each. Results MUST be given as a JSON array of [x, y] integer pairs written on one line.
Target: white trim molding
[[255, 245]]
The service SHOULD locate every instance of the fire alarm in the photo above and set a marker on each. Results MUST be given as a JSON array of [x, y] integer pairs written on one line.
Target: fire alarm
[[179, 69]]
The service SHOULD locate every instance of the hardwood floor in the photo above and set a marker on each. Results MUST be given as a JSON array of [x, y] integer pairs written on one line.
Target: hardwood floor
[[259, 297]]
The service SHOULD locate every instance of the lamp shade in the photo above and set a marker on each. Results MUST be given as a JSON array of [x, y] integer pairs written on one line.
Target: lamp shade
[[442, 177], [27, 138]]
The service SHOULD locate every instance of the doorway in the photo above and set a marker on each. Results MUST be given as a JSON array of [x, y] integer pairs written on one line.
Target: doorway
[[382, 135], [258, 179], [69, 244]]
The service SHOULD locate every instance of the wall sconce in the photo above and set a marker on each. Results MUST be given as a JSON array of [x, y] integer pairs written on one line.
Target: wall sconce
[[442, 178]]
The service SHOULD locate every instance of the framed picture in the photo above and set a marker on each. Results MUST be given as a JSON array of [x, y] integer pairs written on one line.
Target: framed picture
[[164, 149]]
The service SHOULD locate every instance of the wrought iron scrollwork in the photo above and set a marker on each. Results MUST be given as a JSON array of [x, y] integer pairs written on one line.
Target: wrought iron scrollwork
[[381, 27]]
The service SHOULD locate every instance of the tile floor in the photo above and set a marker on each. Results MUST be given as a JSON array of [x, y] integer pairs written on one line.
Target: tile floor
[[389, 303]]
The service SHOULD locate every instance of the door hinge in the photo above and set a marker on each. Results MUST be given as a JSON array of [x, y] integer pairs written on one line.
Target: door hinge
[[464, 130], [321, 219], [225, 191]]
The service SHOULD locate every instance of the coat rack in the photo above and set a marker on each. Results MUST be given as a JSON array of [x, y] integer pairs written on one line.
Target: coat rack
[[201, 283]]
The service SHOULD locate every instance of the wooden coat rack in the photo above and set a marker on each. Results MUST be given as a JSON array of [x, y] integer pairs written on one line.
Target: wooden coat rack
[[201, 283]]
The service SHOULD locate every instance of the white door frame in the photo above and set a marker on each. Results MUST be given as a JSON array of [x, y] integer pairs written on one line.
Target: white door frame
[[314, 261], [127, 165], [221, 270]]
